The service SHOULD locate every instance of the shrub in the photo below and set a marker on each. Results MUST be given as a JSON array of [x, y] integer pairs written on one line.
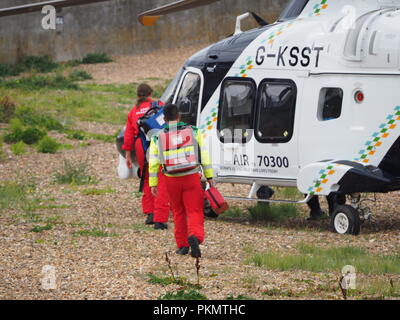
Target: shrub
[[32, 135], [79, 75], [74, 173], [14, 132], [7, 109], [18, 148], [31, 117], [8, 70], [92, 58], [48, 145], [42, 64]]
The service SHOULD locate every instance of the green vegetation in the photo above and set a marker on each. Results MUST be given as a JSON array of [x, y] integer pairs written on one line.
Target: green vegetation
[[376, 289], [93, 58], [274, 212], [18, 195], [42, 64], [36, 82], [7, 109], [183, 295], [31, 117], [97, 192], [166, 281], [94, 233], [48, 145], [2, 152], [74, 173], [79, 75], [39, 229], [19, 148], [233, 212], [7, 70], [18, 132], [239, 297], [318, 259], [83, 135]]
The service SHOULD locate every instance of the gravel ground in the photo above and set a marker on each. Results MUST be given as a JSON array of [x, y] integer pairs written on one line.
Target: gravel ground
[[117, 267]]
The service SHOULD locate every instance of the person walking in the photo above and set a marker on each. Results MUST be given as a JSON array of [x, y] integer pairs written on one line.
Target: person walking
[[179, 149], [157, 209]]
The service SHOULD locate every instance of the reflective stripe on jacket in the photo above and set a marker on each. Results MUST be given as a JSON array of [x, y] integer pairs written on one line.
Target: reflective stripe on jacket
[[155, 157]]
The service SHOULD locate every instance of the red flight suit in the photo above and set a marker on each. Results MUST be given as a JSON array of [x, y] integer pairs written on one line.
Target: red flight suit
[[186, 197], [158, 206]]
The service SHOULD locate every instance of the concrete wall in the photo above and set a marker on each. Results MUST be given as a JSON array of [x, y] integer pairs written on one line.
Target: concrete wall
[[112, 27]]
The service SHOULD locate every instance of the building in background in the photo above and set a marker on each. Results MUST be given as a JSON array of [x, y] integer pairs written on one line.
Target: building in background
[[112, 27]]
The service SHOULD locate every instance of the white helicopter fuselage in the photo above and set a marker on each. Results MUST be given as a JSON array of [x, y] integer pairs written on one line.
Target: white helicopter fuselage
[[347, 48]]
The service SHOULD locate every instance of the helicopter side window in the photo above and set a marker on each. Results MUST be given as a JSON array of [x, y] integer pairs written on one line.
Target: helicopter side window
[[236, 106], [188, 98], [276, 106], [330, 104]]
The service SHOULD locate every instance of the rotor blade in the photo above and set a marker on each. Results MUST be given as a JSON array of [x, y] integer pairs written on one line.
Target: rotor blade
[[150, 17], [259, 20], [32, 7]]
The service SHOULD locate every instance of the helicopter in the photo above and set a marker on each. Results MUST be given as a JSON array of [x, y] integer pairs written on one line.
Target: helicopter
[[309, 101]]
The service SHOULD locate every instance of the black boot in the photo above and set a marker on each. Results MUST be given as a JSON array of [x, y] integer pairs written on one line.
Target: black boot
[[149, 219], [160, 226], [194, 247], [183, 251]]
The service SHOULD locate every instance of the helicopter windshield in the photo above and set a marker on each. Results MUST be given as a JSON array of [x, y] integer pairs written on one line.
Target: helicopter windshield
[[169, 93], [293, 10]]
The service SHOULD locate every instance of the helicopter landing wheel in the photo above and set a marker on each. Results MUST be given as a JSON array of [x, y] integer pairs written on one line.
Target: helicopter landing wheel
[[346, 220]]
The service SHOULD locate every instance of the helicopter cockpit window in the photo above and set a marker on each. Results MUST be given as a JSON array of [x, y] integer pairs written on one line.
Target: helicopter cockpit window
[[169, 93], [330, 104], [188, 98], [236, 106], [275, 111]]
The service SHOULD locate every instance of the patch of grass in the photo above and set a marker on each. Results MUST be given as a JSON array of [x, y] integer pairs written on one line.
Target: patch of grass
[[183, 295], [233, 212], [48, 145], [376, 289], [7, 109], [39, 229], [239, 297], [65, 146], [280, 293], [31, 117], [94, 233], [36, 82], [84, 135], [2, 152], [97, 192], [273, 212], [166, 281], [93, 58], [79, 75], [19, 148], [43, 64], [74, 173], [16, 195], [142, 227], [318, 259]]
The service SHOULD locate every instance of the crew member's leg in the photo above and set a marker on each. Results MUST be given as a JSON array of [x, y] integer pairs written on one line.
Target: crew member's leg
[[193, 199], [161, 204], [174, 187]]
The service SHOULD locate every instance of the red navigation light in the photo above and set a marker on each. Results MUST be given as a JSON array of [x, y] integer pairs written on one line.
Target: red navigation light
[[359, 96]]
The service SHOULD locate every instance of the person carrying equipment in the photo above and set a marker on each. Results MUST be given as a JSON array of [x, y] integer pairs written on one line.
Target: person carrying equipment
[[156, 209], [180, 151]]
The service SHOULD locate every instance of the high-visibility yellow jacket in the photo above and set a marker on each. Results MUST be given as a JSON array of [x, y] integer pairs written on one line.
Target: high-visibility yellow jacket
[[155, 157]]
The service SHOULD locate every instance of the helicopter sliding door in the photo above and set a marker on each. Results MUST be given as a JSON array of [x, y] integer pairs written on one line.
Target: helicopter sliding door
[[189, 95]]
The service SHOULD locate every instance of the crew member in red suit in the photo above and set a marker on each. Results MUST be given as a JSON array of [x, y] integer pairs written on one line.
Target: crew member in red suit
[[156, 208]]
